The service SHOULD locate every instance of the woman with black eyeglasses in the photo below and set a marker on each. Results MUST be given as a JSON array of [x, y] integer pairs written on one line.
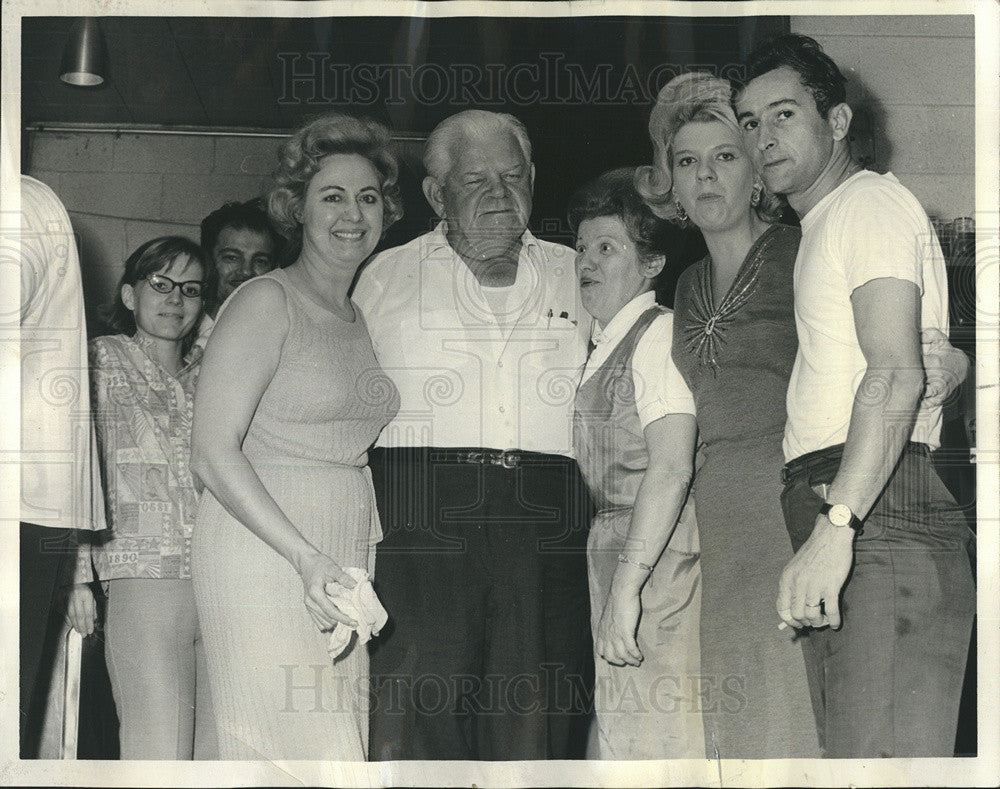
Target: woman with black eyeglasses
[[143, 399]]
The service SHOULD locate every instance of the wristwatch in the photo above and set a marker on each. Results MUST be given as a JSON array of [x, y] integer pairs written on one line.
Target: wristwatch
[[840, 515]]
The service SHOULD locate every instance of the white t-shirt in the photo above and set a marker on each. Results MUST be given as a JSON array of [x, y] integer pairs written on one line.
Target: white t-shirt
[[468, 376], [870, 227], [660, 388]]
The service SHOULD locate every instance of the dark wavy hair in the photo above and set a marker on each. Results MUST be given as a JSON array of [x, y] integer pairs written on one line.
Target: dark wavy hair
[[806, 57], [149, 258], [614, 194], [251, 215], [300, 157]]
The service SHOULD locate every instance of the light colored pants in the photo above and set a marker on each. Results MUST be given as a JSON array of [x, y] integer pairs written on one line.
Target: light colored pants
[[157, 668]]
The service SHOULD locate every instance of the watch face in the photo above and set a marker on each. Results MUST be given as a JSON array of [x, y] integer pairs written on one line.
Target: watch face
[[840, 515]]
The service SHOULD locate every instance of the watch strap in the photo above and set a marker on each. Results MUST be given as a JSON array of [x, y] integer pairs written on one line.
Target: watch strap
[[855, 522]]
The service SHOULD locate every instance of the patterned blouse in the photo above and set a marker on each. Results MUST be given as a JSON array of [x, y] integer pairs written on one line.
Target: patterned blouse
[[143, 417]]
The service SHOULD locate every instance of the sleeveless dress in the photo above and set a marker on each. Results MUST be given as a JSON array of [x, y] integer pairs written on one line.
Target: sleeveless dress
[[279, 695], [737, 359], [648, 711]]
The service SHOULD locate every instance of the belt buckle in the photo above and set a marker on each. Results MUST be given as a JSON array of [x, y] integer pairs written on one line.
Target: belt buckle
[[509, 459]]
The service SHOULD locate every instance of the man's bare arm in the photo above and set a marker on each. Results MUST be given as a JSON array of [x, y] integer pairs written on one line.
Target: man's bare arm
[[887, 323]]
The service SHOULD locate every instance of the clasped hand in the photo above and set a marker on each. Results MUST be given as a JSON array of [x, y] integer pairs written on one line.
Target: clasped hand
[[317, 570], [81, 608], [809, 589], [616, 642], [945, 367]]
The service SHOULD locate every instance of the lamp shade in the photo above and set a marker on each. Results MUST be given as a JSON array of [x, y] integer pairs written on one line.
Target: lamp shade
[[85, 58]]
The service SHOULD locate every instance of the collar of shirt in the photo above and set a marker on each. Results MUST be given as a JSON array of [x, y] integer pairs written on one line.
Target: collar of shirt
[[205, 326], [807, 221], [437, 239], [148, 349], [605, 340], [522, 297]]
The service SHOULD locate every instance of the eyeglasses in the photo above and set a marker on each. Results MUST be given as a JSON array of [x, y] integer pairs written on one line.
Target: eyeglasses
[[192, 288]]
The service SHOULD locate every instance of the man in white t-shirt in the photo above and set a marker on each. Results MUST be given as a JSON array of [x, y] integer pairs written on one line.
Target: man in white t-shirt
[[482, 567], [881, 581]]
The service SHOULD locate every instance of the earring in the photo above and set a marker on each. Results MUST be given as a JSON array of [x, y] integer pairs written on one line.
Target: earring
[[758, 188], [681, 213]]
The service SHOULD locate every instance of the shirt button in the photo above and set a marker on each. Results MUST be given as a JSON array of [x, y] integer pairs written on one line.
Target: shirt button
[[500, 364], [503, 410]]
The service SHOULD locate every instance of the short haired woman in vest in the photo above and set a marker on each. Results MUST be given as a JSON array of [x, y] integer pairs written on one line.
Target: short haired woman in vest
[[634, 438]]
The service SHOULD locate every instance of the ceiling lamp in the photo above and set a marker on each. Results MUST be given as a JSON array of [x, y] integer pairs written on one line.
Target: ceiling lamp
[[85, 58]]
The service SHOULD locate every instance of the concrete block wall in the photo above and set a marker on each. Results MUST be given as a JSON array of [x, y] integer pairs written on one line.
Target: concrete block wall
[[911, 76], [122, 190], [914, 77]]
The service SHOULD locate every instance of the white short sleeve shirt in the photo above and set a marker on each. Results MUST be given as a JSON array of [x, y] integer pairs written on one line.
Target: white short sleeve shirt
[[869, 228], [659, 387], [467, 376]]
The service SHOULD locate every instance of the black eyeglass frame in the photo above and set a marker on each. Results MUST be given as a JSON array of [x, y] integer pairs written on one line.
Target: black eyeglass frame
[[174, 284]]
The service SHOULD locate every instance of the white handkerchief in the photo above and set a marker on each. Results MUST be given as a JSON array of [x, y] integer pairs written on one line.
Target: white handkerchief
[[359, 603]]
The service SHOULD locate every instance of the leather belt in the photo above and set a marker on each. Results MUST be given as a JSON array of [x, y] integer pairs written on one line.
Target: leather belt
[[478, 456], [508, 458], [805, 463]]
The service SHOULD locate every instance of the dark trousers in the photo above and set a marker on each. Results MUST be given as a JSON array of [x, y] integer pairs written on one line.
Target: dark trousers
[[483, 571], [42, 550], [889, 682]]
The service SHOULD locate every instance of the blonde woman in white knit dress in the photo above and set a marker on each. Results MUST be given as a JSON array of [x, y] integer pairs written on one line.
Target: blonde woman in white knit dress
[[289, 400]]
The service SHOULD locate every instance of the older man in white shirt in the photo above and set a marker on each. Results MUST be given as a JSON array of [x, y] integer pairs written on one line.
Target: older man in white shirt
[[482, 569]]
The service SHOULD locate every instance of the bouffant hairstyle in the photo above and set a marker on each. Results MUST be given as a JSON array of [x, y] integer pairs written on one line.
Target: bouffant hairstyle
[[151, 257], [614, 194], [693, 97], [806, 57], [301, 155]]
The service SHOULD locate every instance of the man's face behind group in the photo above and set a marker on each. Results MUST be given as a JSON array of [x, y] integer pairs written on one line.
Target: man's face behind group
[[240, 254], [487, 195]]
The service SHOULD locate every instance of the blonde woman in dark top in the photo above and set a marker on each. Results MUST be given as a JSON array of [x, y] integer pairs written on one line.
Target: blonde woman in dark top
[[735, 344]]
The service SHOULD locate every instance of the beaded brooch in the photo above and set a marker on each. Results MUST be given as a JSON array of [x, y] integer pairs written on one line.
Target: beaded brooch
[[705, 329]]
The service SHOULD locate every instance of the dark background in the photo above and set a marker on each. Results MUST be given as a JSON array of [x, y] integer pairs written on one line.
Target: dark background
[[232, 73]]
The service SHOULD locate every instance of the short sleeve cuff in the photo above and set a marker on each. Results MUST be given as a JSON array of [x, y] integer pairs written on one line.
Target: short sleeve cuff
[[651, 411]]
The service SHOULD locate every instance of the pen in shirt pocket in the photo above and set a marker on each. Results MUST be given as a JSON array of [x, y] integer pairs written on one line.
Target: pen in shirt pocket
[[564, 315]]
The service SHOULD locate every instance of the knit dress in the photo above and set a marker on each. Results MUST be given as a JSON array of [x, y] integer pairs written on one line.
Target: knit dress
[[280, 696], [736, 357]]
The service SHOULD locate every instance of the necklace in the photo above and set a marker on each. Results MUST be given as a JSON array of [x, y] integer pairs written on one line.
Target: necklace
[[705, 330]]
